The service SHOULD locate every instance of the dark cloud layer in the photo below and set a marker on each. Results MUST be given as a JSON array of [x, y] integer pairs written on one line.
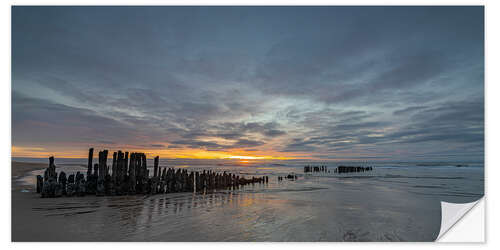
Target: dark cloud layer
[[328, 82]]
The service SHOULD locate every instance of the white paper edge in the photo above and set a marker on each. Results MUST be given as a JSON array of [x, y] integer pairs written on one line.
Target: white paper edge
[[462, 222]]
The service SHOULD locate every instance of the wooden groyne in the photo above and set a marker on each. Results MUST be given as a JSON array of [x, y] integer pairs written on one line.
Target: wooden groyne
[[339, 169], [129, 175], [350, 169], [291, 176], [308, 169]]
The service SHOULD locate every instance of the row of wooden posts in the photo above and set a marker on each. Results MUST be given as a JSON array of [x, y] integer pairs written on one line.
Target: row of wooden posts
[[129, 175], [315, 169], [339, 169], [350, 169], [289, 177]]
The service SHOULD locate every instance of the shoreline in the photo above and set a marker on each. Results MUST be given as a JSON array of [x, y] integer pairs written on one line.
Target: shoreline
[[21, 170]]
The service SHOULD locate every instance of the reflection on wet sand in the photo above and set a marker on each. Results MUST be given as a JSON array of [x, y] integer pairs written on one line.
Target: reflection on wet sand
[[380, 205]]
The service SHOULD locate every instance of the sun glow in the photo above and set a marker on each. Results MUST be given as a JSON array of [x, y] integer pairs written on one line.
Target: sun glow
[[245, 157], [171, 153]]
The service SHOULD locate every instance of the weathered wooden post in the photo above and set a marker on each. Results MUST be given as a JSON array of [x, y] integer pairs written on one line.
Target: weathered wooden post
[[79, 184], [213, 181], [132, 173], [125, 168], [52, 167], [101, 187], [157, 160], [138, 173], [70, 189], [114, 167], [39, 183], [161, 180], [62, 182], [50, 185], [89, 166], [187, 179], [91, 183], [96, 170], [119, 173], [145, 173]]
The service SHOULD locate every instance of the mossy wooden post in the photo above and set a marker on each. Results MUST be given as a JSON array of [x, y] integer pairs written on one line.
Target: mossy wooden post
[[80, 182], [70, 189], [50, 184], [62, 182]]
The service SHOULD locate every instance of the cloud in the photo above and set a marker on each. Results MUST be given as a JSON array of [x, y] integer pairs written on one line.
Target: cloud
[[274, 132], [367, 82], [211, 145], [408, 110], [199, 144], [44, 121], [243, 143], [446, 124], [300, 145]]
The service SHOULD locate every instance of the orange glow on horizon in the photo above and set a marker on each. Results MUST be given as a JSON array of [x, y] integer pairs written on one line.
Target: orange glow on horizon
[[176, 153], [245, 157]]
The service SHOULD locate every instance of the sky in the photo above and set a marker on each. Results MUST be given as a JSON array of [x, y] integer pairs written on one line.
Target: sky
[[322, 83]]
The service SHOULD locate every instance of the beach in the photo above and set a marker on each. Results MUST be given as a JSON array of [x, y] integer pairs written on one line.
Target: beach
[[395, 202], [22, 170]]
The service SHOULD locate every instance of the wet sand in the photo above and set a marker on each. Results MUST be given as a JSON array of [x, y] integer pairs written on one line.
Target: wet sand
[[22, 219], [22, 169], [384, 205]]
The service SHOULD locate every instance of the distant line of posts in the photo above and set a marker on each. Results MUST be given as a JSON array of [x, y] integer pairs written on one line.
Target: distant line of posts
[[315, 169], [339, 169]]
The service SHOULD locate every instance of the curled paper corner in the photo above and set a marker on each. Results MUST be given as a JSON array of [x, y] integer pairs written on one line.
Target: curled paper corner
[[451, 213]]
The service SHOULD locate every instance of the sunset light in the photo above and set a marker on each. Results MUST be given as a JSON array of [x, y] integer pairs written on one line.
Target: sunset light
[[245, 157]]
